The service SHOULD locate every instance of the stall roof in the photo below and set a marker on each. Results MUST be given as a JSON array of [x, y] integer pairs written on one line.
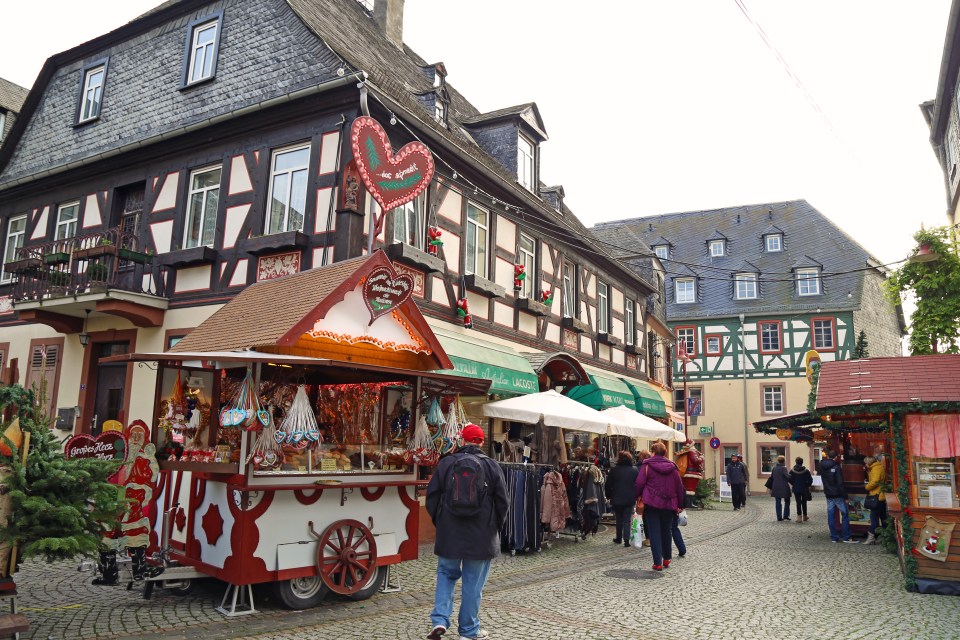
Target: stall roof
[[320, 313], [934, 378], [627, 422], [555, 409], [602, 392], [801, 419], [508, 372]]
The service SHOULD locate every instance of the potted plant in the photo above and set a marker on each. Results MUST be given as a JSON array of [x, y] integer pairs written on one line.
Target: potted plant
[[57, 257], [135, 256], [103, 248], [58, 278], [97, 271]]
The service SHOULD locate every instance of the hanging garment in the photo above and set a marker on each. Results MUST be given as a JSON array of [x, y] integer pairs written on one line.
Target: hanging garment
[[555, 506]]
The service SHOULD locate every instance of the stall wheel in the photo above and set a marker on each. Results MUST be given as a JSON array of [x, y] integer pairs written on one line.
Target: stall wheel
[[347, 556]]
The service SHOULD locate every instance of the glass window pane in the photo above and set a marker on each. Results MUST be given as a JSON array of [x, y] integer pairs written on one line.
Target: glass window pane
[[481, 252], [208, 61], [196, 73], [206, 34], [206, 179], [471, 257], [210, 215], [278, 203], [298, 201], [295, 159]]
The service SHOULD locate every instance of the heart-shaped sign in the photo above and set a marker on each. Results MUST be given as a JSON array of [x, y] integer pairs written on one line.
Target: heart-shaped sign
[[110, 445], [391, 179], [384, 291]]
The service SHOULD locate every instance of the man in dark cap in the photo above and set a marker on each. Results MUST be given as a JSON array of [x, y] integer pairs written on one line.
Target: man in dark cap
[[467, 501], [737, 479]]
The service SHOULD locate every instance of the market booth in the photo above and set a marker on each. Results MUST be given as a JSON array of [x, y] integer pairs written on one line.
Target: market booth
[[289, 427], [906, 413]]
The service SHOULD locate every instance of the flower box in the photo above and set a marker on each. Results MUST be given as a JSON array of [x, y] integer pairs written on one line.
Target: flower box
[[58, 257], [95, 252], [134, 256]]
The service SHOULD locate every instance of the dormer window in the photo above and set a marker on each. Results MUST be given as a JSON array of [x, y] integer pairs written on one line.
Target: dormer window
[[718, 248], [440, 111], [91, 95], [808, 282], [746, 286], [773, 242], [685, 290], [526, 157], [662, 251]]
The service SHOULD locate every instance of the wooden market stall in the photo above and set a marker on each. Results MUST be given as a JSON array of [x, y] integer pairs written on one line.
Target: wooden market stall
[[289, 428], [906, 413]]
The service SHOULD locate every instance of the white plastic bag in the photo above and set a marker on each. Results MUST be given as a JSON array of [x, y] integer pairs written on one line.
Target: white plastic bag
[[636, 532], [682, 518]]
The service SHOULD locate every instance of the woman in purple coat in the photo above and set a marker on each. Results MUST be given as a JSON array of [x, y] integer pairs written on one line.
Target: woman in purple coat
[[660, 486]]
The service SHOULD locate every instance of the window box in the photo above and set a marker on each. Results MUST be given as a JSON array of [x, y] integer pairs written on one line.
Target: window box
[[134, 256], [274, 242], [187, 257], [95, 252], [611, 340], [484, 287], [632, 348], [532, 306], [574, 324], [26, 266], [415, 257], [60, 257]]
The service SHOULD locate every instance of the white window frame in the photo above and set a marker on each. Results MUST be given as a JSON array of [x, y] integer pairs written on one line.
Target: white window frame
[[629, 321], [3, 123], [285, 226], [603, 307], [773, 400], [569, 290], [10, 251], [91, 100], [706, 345], [808, 282], [662, 251], [745, 286], [829, 334], [689, 340], [764, 334], [681, 293], [472, 263], [203, 191], [415, 209], [528, 258], [67, 228], [207, 51], [773, 242], [718, 248], [526, 162]]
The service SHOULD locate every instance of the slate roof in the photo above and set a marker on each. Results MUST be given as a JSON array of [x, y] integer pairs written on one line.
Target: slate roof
[[12, 96], [934, 378], [809, 237]]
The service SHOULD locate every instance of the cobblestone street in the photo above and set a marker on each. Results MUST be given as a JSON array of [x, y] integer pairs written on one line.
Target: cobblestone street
[[745, 576]]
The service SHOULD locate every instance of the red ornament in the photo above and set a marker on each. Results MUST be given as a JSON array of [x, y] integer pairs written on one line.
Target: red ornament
[[463, 311], [546, 297], [435, 242], [392, 179], [519, 275]]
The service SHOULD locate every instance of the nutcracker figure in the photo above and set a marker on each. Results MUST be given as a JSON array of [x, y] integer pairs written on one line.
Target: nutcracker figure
[[690, 463]]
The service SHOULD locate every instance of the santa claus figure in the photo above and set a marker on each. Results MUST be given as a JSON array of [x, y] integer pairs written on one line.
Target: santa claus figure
[[690, 463], [932, 543]]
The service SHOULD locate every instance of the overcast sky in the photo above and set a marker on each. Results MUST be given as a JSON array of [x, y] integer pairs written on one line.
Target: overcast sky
[[657, 107]]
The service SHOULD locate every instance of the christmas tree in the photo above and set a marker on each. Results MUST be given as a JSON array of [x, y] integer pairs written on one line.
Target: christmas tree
[[860, 350], [58, 504]]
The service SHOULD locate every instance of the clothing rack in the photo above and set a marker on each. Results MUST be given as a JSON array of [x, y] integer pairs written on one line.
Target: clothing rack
[[522, 530], [584, 517]]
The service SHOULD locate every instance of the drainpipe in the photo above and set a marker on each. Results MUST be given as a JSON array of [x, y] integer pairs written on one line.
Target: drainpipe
[[743, 375]]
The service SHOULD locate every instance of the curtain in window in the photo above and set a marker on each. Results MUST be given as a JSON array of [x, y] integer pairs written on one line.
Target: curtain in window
[[935, 435]]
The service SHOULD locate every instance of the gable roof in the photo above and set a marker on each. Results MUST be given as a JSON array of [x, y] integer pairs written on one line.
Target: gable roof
[[273, 315], [528, 112], [809, 238], [933, 378], [12, 96]]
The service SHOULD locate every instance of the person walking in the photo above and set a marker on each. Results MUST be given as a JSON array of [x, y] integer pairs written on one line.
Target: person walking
[[467, 501], [621, 492], [737, 479], [836, 495], [660, 486], [779, 485], [876, 499], [801, 480]]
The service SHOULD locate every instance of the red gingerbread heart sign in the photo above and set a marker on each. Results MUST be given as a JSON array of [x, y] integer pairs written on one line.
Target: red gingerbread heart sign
[[384, 291], [391, 179], [111, 445]]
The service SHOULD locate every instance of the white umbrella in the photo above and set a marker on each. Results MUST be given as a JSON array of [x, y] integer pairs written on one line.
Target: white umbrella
[[627, 422], [554, 409]]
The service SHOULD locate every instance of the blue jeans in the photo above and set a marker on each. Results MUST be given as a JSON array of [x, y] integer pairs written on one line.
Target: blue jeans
[[783, 512], [677, 536], [878, 516], [474, 574], [661, 523], [833, 504]]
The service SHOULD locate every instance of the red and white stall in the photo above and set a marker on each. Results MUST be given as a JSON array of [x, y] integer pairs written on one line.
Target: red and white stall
[[284, 427]]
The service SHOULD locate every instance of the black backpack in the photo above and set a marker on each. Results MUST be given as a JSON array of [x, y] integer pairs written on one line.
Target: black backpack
[[466, 486]]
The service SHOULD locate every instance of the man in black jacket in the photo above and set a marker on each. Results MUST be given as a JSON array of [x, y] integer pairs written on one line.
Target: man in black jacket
[[467, 501], [737, 479], [836, 495]]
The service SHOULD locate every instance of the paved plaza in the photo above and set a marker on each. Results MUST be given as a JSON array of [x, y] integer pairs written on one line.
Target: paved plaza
[[745, 576]]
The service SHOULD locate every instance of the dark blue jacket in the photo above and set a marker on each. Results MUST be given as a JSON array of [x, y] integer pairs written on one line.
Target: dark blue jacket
[[800, 479], [832, 475], [620, 483], [736, 473], [475, 538]]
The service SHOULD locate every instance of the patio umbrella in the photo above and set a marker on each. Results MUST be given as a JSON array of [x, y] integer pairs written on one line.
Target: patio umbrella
[[627, 422], [552, 408]]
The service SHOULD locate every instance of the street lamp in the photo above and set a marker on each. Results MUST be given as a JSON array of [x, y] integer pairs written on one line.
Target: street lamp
[[84, 337]]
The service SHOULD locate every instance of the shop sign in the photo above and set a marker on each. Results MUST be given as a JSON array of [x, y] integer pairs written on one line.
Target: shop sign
[[109, 445], [501, 380], [706, 431], [392, 179], [384, 291]]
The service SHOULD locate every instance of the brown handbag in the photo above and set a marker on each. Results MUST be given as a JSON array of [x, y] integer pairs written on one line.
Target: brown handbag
[[639, 508]]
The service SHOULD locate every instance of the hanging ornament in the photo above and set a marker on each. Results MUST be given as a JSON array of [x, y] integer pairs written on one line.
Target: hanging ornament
[[299, 428], [267, 452], [519, 275], [463, 312], [421, 448], [433, 247], [546, 297]]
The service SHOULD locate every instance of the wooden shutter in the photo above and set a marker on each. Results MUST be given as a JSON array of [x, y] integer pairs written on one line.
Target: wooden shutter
[[45, 363]]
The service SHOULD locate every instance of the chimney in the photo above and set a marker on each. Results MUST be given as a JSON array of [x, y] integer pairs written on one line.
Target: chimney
[[389, 17]]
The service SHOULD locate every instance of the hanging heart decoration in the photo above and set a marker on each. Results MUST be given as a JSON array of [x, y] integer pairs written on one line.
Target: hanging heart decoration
[[384, 291], [391, 179]]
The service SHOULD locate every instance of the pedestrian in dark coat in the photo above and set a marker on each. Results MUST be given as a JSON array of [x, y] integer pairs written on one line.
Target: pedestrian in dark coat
[[621, 492], [737, 479], [779, 485], [800, 481], [465, 545], [660, 486]]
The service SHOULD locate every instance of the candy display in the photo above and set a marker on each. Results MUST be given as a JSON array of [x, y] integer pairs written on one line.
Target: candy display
[[299, 428]]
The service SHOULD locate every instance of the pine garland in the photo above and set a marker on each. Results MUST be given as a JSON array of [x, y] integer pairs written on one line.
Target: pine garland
[[373, 158], [903, 495], [394, 185]]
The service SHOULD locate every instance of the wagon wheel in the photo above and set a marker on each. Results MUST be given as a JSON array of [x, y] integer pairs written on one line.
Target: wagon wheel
[[346, 556]]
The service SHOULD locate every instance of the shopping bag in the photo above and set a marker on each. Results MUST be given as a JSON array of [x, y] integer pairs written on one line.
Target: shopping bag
[[682, 518], [636, 532]]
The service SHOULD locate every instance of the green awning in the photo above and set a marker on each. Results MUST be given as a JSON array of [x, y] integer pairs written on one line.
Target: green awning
[[602, 393], [649, 402], [507, 371]]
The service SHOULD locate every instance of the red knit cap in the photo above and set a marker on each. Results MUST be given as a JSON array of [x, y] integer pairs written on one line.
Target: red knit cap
[[472, 433]]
